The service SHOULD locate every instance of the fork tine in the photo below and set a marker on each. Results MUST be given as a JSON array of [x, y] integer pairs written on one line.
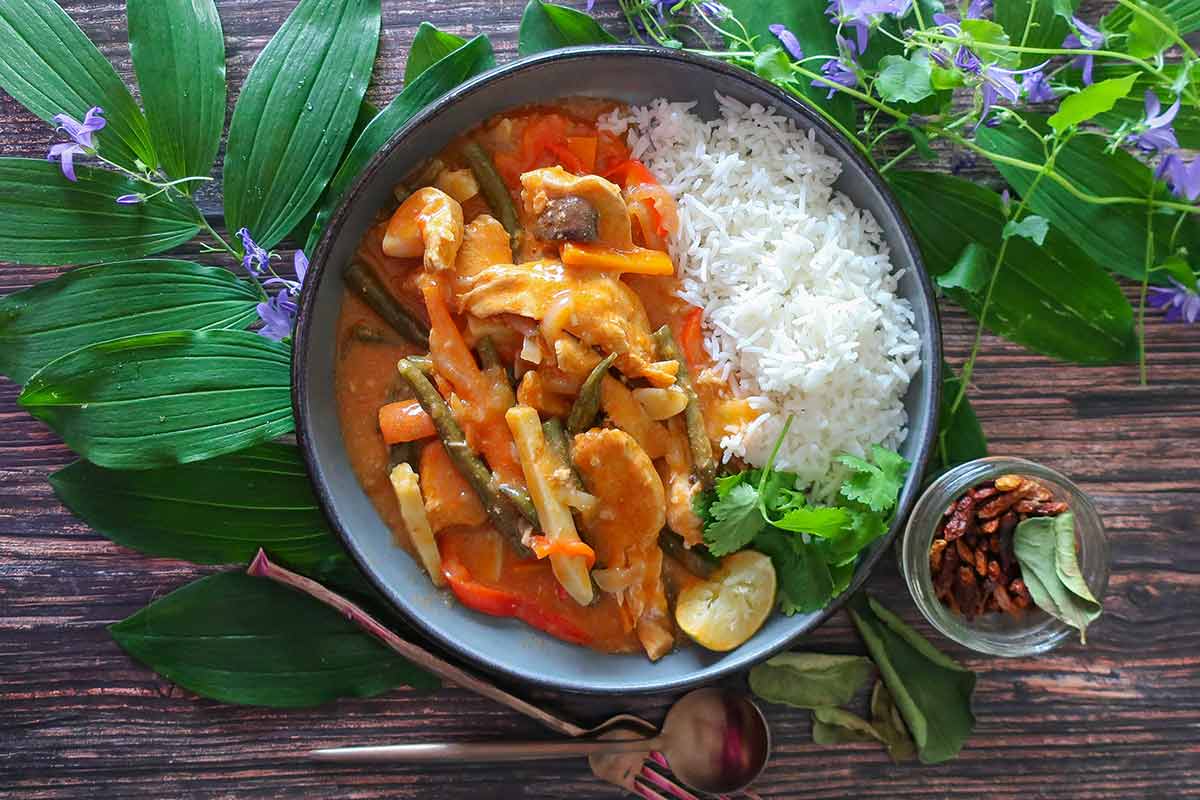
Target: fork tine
[[645, 791], [662, 782]]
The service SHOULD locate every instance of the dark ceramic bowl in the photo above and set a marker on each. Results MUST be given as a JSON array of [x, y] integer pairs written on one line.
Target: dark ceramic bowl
[[634, 75]]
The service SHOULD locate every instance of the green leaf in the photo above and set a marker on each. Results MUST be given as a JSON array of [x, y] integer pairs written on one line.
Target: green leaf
[[47, 219], [1034, 23], [1175, 267], [984, 31], [774, 65], [805, 582], [367, 111], [1184, 13], [179, 56], [96, 304], [1032, 227], [219, 511], [824, 521], [837, 726], [251, 641], [736, 521], [874, 485], [1045, 549], [548, 27], [429, 46], [902, 79], [816, 36], [1114, 236], [51, 67], [810, 680], [887, 722], [970, 272], [862, 528], [1090, 101], [1052, 299], [295, 114], [1150, 35], [960, 437], [932, 691], [165, 398], [466, 62]]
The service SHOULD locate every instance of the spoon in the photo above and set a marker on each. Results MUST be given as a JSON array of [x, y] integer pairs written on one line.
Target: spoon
[[715, 740]]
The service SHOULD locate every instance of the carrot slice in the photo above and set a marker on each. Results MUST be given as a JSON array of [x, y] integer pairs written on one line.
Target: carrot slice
[[405, 421], [584, 149], [691, 340], [543, 547], [638, 260]]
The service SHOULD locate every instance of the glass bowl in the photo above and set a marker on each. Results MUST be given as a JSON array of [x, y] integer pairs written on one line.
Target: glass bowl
[[997, 633]]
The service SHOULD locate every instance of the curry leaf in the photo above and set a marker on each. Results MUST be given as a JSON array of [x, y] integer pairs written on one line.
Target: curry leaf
[[466, 62], [1033, 23], [179, 56], [1080, 313], [244, 640], [219, 511], [1032, 227], [887, 722], [932, 691], [429, 46], [46, 219], [545, 26], [960, 437], [903, 79], [1045, 549], [810, 680], [838, 726], [95, 304], [295, 114], [51, 67], [1090, 101], [165, 398]]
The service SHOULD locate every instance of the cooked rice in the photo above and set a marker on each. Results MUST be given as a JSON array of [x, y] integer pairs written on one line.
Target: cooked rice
[[799, 298]]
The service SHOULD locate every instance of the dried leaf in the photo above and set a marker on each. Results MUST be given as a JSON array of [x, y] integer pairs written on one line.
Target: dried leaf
[[810, 680]]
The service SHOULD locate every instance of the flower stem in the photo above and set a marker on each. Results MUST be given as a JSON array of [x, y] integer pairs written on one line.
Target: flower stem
[[898, 158], [1145, 287]]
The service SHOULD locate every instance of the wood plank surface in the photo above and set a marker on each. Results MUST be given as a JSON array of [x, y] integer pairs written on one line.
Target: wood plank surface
[[1121, 719]]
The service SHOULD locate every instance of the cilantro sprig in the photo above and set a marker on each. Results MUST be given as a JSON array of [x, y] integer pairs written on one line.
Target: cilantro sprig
[[813, 547]]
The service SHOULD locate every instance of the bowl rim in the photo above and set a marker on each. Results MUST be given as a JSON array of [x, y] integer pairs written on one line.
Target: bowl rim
[[930, 373]]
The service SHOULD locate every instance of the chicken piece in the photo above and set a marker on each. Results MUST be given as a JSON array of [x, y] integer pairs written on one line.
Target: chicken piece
[[449, 499], [595, 307], [458, 183], [541, 188], [484, 244], [428, 224], [615, 470]]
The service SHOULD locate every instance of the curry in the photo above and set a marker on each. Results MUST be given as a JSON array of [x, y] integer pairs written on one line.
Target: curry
[[523, 395]]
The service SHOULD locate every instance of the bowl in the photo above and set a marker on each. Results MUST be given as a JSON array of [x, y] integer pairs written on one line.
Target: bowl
[[631, 74], [999, 634]]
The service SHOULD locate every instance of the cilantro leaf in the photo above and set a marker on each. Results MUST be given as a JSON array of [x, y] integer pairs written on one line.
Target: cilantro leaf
[[737, 520], [803, 578], [726, 484], [862, 528], [823, 521], [876, 485]]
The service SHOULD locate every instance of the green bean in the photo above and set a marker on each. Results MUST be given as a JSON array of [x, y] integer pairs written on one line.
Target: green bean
[[696, 560], [521, 499], [366, 284], [423, 363], [493, 188], [368, 334], [488, 357], [703, 462], [587, 404], [427, 174], [501, 511], [560, 446], [403, 453]]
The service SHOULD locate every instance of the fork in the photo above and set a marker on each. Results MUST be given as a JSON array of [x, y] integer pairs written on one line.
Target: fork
[[646, 775]]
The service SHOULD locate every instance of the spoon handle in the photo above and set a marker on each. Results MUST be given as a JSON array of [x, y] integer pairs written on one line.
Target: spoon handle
[[470, 752]]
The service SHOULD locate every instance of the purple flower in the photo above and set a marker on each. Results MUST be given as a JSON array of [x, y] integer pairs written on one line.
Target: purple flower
[[788, 40], [300, 262], [1037, 89], [839, 70], [977, 8], [1000, 84], [859, 14], [81, 138], [715, 10], [966, 60], [1182, 304], [255, 259], [1085, 37], [1155, 131], [1182, 176], [130, 199], [278, 314]]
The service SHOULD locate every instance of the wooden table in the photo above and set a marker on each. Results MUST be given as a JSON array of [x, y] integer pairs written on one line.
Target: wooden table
[[79, 719]]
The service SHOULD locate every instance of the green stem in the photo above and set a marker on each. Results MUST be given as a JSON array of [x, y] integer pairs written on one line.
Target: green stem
[[1028, 22], [1158, 23], [899, 157], [1144, 290], [216, 237]]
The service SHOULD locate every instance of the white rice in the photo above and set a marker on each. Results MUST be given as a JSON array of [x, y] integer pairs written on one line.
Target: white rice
[[799, 297]]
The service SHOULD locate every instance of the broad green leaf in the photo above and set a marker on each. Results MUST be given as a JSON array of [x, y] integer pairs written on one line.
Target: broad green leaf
[[1184, 13], [545, 26], [179, 56], [932, 691], [810, 680], [1090, 101], [811, 27], [986, 32], [1032, 227], [1150, 32], [219, 511], [960, 437], [51, 67], [429, 46], [295, 114], [838, 726], [238, 639], [774, 65], [887, 722], [903, 79], [1052, 299], [1045, 549], [1114, 236], [96, 304], [47, 219], [970, 272], [165, 398], [1175, 267], [1033, 23], [466, 62]]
